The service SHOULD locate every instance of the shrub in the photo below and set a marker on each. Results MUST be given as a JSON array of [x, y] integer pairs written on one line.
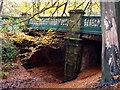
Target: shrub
[[3, 74], [8, 51]]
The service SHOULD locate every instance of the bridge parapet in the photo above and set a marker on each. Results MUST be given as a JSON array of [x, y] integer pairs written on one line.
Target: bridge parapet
[[53, 23], [86, 24], [91, 25]]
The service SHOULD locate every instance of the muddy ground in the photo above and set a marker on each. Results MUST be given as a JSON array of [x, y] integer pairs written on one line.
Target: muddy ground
[[49, 76]]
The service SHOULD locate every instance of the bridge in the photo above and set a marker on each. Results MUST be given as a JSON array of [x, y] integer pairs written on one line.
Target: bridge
[[89, 28], [89, 24]]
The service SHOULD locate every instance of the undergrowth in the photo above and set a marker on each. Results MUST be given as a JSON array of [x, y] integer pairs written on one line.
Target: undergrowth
[[7, 54]]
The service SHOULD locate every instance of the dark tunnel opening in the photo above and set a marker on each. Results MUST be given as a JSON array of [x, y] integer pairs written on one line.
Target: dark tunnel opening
[[91, 54], [51, 59]]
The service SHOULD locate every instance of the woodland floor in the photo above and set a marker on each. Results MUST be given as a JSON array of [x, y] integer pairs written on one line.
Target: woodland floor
[[49, 76]]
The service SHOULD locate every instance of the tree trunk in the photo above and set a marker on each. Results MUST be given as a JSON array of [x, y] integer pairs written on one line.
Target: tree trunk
[[110, 48], [117, 6], [1, 5]]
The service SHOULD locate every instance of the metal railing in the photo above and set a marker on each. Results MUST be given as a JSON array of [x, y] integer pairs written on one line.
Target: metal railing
[[89, 24]]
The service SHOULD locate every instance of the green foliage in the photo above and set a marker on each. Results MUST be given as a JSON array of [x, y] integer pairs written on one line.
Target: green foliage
[[7, 54], [4, 70], [3, 74], [5, 66], [8, 51]]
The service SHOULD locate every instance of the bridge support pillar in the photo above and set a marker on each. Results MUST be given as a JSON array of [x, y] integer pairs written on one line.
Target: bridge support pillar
[[73, 46]]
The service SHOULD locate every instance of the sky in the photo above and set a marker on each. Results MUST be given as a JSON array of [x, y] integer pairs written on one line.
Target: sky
[[50, 0], [65, 0], [19, 0]]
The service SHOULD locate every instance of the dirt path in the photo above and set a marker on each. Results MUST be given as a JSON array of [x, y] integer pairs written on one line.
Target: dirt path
[[47, 77], [86, 79]]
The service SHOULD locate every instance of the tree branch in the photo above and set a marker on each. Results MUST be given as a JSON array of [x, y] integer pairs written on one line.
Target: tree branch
[[57, 7], [80, 4], [62, 15], [1, 6], [44, 9]]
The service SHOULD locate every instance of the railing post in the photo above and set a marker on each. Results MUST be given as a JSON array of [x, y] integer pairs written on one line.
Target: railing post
[[73, 46]]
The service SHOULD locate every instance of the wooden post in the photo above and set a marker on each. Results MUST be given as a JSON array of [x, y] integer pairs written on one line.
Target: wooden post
[[110, 48]]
